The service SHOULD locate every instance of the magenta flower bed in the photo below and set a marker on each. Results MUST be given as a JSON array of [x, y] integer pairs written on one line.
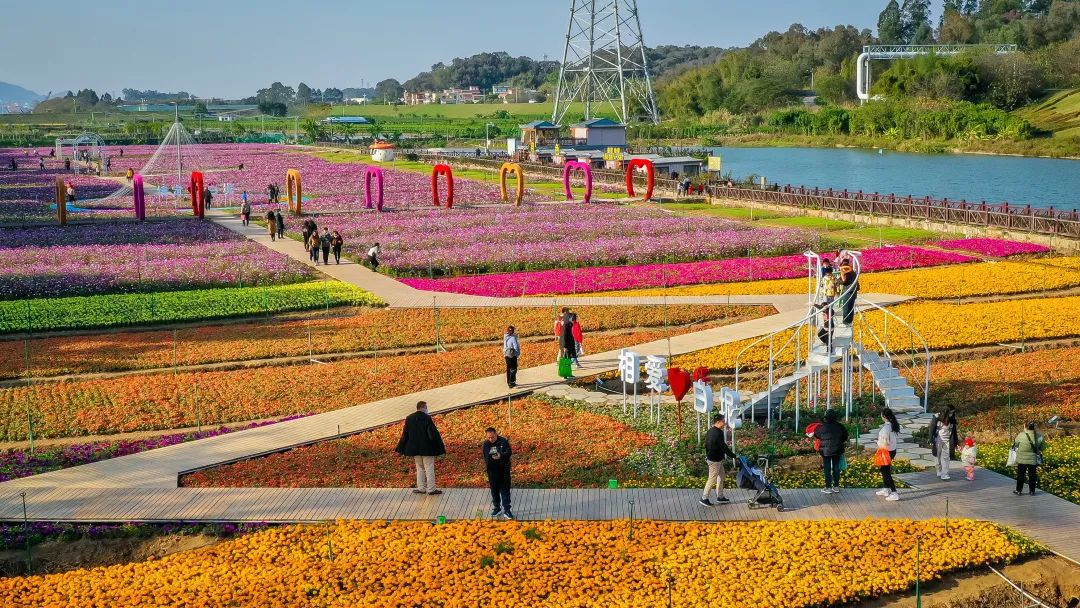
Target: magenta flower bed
[[995, 248], [585, 280]]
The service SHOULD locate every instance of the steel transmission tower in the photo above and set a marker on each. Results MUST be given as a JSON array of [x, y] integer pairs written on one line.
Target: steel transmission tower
[[604, 62]]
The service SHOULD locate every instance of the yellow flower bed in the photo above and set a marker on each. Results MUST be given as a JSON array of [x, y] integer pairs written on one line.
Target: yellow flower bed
[[942, 325], [564, 564], [941, 282]]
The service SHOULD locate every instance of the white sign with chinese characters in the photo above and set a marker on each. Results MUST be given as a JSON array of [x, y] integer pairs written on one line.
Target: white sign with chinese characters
[[656, 372], [630, 372], [703, 397]]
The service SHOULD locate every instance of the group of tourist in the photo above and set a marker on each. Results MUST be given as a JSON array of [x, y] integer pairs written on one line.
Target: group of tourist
[[420, 438], [275, 223], [325, 242]]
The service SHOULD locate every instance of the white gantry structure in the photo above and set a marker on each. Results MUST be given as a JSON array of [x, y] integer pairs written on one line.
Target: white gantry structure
[[908, 51]]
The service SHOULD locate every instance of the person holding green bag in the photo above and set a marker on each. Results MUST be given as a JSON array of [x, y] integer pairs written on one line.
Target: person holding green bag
[[1029, 447]]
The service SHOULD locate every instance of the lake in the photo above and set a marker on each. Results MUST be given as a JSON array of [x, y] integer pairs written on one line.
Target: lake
[[1041, 182]]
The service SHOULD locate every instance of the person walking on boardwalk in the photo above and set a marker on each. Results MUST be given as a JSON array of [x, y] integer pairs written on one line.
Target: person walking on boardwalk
[[335, 243], [834, 438], [954, 441], [280, 224], [567, 344], [579, 339], [208, 197], [1029, 446], [373, 257], [968, 456], [245, 215], [325, 242], [558, 332], [271, 223], [496, 452], [313, 246], [420, 439], [511, 352], [887, 438], [942, 431], [716, 450]]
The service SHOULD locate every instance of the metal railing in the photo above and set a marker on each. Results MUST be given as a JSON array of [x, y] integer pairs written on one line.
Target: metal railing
[[909, 360]]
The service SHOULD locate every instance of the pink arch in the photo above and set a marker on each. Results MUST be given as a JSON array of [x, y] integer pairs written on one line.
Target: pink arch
[[140, 197], [376, 173], [584, 167]]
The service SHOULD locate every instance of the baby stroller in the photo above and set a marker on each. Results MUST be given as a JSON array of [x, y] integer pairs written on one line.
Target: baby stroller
[[753, 478]]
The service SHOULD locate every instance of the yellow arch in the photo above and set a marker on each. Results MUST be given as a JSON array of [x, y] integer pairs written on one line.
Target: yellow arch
[[292, 185], [516, 170]]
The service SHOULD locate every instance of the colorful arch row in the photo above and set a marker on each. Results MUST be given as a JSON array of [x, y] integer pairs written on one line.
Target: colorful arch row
[[371, 173], [445, 170], [585, 168], [294, 190], [197, 188], [505, 170], [649, 169]]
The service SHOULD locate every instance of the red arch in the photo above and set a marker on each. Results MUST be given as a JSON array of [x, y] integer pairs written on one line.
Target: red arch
[[196, 190], [376, 173], [436, 171], [634, 163]]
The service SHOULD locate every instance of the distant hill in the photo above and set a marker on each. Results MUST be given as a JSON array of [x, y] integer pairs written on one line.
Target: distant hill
[[10, 93], [1059, 113]]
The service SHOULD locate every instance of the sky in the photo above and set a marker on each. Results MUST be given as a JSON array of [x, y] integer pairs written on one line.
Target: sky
[[230, 48]]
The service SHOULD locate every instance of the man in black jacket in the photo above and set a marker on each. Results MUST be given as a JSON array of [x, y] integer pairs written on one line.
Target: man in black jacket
[[496, 452], [833, 437], [716, 450], [420, 439]]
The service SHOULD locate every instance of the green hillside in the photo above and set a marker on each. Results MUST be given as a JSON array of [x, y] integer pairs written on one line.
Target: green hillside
[[1059, 113]]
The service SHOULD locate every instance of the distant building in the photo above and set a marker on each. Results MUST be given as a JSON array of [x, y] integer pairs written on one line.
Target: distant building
[[447, 96], [539, 133], [346, 120], [598, 132], [360, 101], [383, 152]]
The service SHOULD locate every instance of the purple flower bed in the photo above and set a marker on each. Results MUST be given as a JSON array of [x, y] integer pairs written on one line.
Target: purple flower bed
[[52, 261], [585, 280], [16, 464], [536, 237], [995, 248]]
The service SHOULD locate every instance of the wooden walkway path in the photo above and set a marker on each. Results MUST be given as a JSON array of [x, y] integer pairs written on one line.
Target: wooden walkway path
[[1044, 517]]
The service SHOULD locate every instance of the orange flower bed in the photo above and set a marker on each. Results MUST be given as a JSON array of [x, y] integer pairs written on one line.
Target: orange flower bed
[[562, 564], [364, 329], [168, 401], [554, 447]]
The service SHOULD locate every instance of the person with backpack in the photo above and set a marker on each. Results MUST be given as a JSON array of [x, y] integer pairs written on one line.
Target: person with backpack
[[335, 244], [325, 242], [1029, 446], [420, 439], [245, 215], [716, 450], [567, 343], [887, 438], [497, 452], [833, 437], [511, 352]]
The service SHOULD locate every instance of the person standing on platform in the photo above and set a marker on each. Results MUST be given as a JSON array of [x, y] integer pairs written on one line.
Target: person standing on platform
[[511, 352], [420, 439], [716, 450], [497, 452]]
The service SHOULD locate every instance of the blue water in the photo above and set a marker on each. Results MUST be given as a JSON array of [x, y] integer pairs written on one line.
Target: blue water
[[1041, 182]]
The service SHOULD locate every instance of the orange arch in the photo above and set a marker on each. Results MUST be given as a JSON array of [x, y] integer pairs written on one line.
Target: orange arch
[[61, 201], [514, 168], [294, 190]]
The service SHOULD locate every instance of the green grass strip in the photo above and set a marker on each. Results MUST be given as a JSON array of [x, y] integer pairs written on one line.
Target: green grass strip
[[110, 310]]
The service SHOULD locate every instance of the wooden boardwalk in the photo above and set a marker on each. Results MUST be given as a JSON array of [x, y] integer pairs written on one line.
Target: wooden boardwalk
[[1044, 517]]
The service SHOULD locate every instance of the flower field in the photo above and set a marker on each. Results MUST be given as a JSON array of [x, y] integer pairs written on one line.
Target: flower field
[[650, 276], [554, 447], [110, 310], [568, 564], [361, 329], [967, 280], [168, 401], [57, 261], [493, 239], [996, 248]]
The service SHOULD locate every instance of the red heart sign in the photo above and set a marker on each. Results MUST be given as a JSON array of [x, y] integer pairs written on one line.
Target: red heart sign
[[702, 374], [680, 381]]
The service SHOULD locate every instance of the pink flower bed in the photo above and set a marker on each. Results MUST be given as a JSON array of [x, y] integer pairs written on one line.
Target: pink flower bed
[[617, 278], [995, 248]]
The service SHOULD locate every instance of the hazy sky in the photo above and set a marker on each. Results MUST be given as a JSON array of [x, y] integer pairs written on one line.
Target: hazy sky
[[229, 48]]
